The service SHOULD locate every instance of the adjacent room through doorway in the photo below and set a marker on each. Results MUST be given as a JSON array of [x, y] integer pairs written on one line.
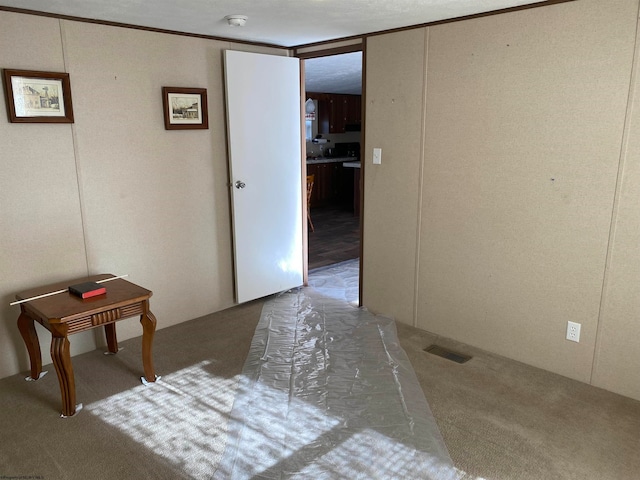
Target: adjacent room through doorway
[[333, 87]]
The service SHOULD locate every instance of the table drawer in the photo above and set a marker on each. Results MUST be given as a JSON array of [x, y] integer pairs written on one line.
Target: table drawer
[[102, 318]]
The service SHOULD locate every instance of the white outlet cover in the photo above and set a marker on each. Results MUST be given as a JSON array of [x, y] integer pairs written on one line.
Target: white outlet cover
[[573, 331]]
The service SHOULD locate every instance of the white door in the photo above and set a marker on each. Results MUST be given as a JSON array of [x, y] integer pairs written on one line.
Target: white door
[[264, 128]]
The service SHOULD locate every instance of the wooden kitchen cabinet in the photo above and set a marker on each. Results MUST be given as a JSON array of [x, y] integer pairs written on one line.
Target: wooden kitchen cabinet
[[338, 115], [354, 110], [326, 184], [336, 111], [323, 116]]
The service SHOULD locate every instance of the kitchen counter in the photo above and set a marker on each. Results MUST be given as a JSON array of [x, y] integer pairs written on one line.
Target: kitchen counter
[[351, 164], [313, 161]]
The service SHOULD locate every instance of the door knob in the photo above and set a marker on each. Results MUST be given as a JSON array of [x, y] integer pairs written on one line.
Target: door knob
[[240, 184]]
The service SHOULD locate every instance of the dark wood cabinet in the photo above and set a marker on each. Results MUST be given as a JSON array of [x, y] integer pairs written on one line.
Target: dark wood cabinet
[[323, 115], [338, 116], [337, 111], [354, 110], [327, 183]]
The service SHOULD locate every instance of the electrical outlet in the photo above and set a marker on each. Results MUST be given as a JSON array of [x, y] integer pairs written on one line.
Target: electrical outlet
[[573, 331]]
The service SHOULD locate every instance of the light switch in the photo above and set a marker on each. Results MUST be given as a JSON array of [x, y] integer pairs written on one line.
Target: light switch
[[377, 156]]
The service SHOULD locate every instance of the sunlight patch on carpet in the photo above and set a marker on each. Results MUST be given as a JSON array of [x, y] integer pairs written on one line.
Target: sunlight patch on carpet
[[183, 417]]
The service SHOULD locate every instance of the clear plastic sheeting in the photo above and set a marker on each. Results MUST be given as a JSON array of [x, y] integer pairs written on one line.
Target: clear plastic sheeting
[[328, 393]]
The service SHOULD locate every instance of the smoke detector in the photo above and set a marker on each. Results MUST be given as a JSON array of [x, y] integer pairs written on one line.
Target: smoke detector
[[236, 20]]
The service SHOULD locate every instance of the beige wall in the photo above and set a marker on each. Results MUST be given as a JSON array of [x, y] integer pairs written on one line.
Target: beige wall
[[618, 342], [41, 236], [499, 196], [395, 69], [114, 192]]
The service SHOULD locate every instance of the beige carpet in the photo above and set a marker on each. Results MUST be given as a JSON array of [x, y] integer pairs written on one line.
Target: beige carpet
[[500, 419]]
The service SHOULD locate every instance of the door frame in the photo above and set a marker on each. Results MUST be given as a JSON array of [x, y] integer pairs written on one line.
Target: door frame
[[305, 54]]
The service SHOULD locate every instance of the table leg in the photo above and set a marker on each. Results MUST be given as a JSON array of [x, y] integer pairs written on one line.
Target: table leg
[[62, 361], [112, 339], [30, 337], [148, 321]]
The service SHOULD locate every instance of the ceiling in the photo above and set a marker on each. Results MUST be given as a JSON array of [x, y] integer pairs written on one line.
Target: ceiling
[[285, 23], [335, 74]]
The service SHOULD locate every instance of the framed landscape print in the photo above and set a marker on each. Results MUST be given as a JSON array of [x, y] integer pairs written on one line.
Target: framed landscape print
[[185, 108], [38, 97]]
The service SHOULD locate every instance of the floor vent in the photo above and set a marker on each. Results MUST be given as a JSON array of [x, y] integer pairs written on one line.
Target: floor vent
[[448, 354]]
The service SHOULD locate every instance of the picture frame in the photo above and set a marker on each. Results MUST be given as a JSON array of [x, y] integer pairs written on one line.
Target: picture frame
[[37, 97], [185, 108]]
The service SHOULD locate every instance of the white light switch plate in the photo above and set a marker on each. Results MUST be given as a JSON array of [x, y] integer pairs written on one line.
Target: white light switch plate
[[377, 156]]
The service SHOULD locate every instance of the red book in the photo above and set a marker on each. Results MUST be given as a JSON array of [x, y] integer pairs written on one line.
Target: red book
[[87, 289]]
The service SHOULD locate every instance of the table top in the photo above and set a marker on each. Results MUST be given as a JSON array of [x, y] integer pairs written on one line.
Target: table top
[[65, 306]]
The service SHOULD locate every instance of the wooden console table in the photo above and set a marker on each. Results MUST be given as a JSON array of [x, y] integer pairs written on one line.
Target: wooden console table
[[64, 314]]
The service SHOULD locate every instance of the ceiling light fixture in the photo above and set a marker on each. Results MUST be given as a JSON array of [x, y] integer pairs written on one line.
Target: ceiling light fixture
[[236, 20]]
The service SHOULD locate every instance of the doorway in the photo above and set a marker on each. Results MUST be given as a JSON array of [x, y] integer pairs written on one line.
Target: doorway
[[333, 83]]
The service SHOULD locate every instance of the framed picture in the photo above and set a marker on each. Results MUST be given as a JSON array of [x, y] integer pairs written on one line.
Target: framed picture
[[184, 108], [38, 97]]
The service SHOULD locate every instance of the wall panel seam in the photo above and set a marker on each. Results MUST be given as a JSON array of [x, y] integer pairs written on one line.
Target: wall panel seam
[[421, 160]]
